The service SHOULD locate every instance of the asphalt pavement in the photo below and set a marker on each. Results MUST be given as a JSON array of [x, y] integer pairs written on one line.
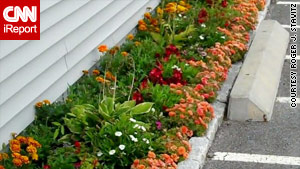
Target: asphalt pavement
[[279, 139]]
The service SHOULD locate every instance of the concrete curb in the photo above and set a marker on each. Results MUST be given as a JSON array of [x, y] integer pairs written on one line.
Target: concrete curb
[[201, 145]]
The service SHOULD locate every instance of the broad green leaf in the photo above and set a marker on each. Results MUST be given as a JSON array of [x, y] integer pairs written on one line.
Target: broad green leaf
[[62, 130], [141, 108], [56, 123], [130, 104], [157, 37], [56, 134]]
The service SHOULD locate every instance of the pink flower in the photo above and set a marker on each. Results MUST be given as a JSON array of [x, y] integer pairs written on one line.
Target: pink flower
[[158, 125]]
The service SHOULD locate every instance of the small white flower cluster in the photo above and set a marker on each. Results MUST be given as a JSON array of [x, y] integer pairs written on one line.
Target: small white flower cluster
[[132, 120], [146, 140], [223, 37], [176, 67], [139, 127], [134, 139], [203, 25]]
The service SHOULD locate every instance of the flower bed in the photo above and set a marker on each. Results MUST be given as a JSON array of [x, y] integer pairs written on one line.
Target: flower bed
[[139, 108]]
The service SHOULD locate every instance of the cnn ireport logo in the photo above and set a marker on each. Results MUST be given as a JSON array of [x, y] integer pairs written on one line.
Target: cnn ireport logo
[[20, 20]]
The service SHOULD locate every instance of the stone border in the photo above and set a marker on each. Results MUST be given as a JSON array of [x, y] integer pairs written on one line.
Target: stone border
[[201, 145]]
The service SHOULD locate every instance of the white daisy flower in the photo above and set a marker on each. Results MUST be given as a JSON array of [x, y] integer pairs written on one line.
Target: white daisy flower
[[118, 133], [223, 37], [112, 152], [99, 154], [121, 147], [201, 37], [203, 25]]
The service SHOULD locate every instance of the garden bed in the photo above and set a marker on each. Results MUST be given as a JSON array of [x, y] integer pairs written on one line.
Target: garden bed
[[144, 101]]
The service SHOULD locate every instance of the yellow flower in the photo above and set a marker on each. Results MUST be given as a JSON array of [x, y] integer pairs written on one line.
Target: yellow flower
[[25, 159], [4, 156], [96, 72], [31, 149], [181, 8], [17, 162], [142, 27], [102, 48], [171, 7], [124, 53], [157, 30], [130, 37], [85, 72], [159, 11], [35, 156], [147, 15], [39, 104], [2, 167], [46, 102]]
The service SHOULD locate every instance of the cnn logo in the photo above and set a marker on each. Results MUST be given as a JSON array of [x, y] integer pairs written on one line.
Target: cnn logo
[[20, 20], [20, 14]]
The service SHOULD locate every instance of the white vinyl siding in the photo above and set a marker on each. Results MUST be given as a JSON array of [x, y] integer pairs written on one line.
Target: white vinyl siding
[[71, 30]]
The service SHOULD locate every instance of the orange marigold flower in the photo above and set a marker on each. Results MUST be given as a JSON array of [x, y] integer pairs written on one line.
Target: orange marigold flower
[[141, 167], [171, 7], [1, 157], [85, 72], [171, 113], [184, 129], [25, 159], [130, 37], [96, 72], [16, 155], [181, 150], [142, 27], [151, 154], [142, 22], [102, 48], [33, 142], [31, 149], [181, 8], [137, 43], [35, 156], [17, 162], [2, 167], [16, 148], [39, 104], [110, 76], [147, 15], [124, 53], [22, 139], [101, 80], [46, 101], [154, 22]]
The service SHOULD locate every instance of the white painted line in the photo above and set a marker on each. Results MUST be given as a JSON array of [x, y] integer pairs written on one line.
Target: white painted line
[[287, 3], [286, 100], [256, 158], [289, 26], [289, 57]]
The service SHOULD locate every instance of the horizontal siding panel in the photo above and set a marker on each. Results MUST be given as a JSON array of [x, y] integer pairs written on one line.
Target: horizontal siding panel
[[77, 50], [50, 56], [57, 32], [45, 4]]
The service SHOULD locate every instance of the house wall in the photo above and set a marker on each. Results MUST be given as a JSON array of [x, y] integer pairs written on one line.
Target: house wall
[[71, 30]]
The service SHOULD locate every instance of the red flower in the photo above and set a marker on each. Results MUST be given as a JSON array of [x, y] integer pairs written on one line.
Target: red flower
[[199, 87], [77, 144], [171, 49], [204, 81], [224, 3], [209, 2], [202, 16], [46, 167], [205, 95], [144, 84], [227, 23], [77, 165], [200, 112], [137, 96]]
